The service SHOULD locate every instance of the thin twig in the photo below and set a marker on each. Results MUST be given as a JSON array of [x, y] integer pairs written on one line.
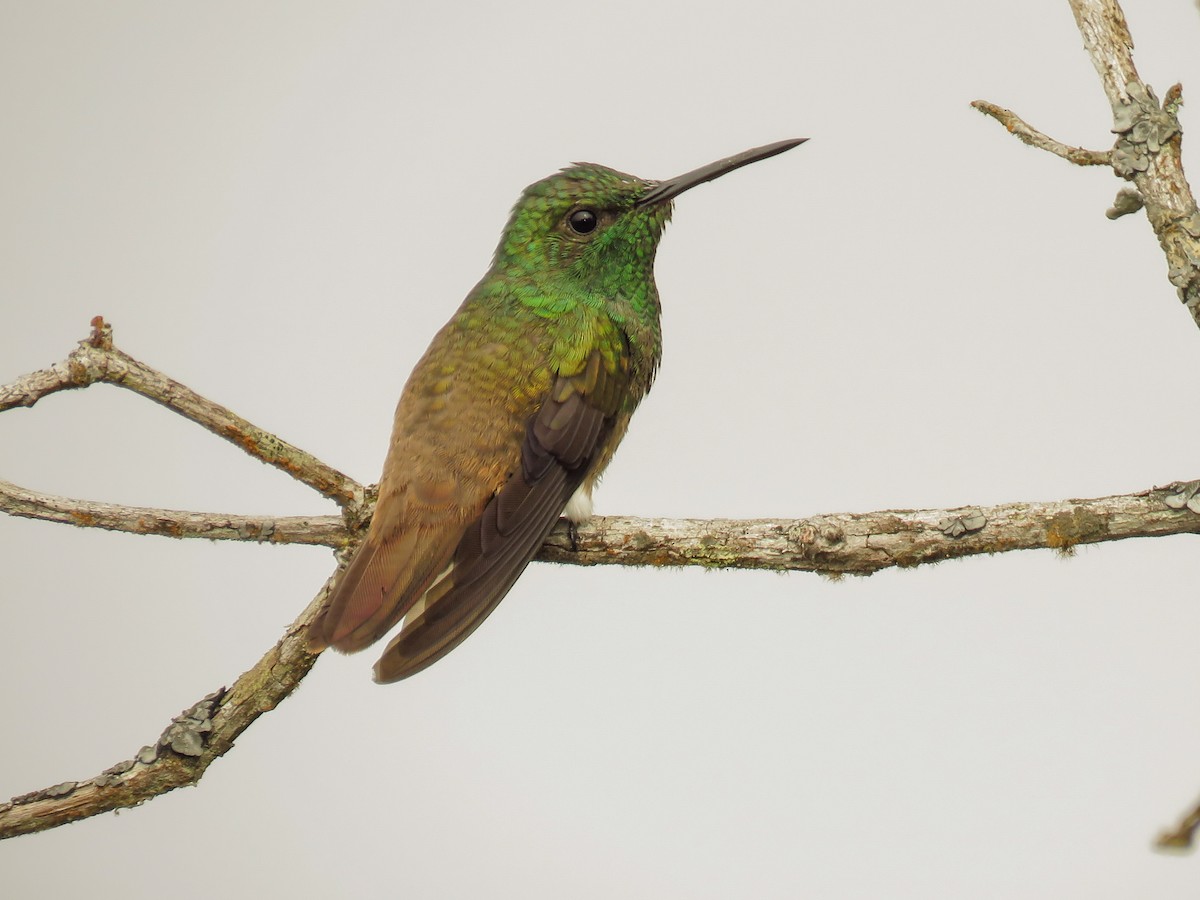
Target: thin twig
[[327, 530], [96, 360], [1034, 138]]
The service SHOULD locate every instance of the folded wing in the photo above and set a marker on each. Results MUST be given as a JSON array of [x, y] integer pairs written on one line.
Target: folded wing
[[562, 441], [447, 575]]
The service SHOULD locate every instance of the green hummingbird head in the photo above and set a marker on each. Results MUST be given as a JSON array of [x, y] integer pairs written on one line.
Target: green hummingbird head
[[599, 227], [583, 223]]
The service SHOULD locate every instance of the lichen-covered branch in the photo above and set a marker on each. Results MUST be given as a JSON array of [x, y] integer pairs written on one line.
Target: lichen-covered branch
[[327, 530], [97, 360], [864, 543], [830, 544], [183, 752], [1147, 149]]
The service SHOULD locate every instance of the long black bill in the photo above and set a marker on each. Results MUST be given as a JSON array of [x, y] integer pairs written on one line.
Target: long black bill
[[673, 187]]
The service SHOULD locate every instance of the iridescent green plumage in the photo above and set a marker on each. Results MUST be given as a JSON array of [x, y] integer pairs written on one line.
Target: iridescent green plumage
[[517, 405]]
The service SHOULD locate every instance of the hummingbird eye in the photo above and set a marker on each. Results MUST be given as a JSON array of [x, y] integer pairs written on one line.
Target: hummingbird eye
[[582, 221]]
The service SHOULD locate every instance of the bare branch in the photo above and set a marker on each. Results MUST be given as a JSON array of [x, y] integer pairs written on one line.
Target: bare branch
[[831, 544], [327, 530], [1034, 138], [96, 360], [864, 543], [186, 748]]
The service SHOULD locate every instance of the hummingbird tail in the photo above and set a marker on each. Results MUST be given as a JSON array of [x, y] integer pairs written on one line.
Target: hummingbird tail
[[384, 579]]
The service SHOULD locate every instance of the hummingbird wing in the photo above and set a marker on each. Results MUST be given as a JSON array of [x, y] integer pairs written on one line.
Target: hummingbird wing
[[455, 440], [563, 440], [449, 541]]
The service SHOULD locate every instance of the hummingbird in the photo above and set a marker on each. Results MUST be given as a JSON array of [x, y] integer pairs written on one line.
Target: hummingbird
[[512, 414]]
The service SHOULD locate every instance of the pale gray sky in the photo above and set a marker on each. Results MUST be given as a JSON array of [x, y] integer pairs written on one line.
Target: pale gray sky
[[279, 203]]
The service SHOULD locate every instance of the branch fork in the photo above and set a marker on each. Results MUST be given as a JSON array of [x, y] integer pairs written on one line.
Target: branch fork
[[1146, 151]]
